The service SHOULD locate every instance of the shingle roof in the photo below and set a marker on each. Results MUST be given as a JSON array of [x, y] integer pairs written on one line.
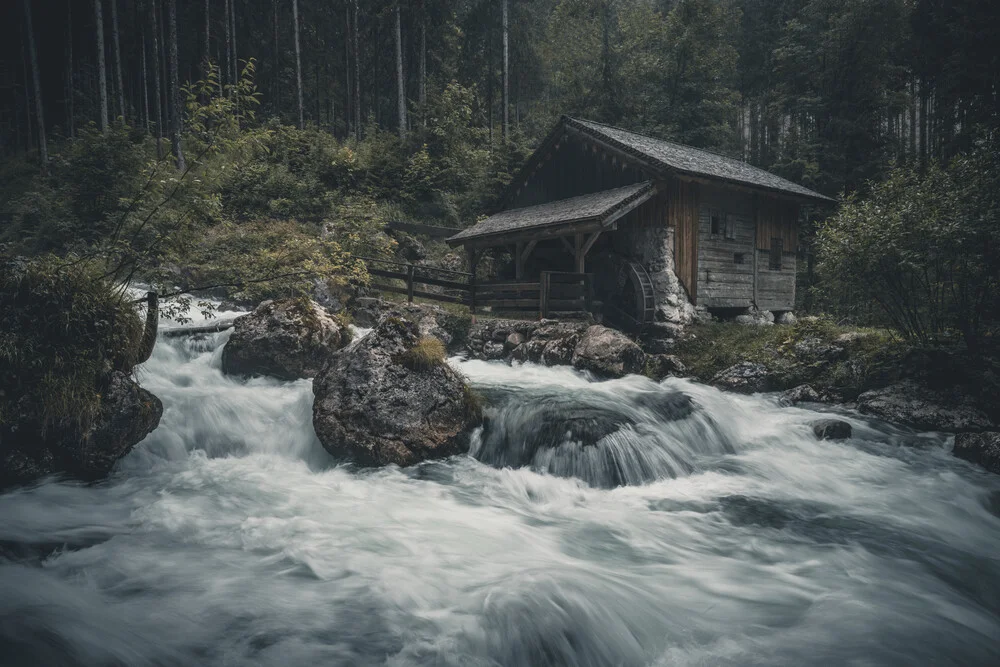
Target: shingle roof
[[690, 160], [595, 206]]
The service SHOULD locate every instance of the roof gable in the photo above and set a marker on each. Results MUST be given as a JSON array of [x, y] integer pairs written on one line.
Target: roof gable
[[693, 161], [658, 158], [598, 206]]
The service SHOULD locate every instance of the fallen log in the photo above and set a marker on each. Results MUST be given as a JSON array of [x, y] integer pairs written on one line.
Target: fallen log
[[215, 327]]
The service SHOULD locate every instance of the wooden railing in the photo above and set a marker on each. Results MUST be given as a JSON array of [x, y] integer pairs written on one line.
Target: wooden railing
[[566, 293], [556, 292]]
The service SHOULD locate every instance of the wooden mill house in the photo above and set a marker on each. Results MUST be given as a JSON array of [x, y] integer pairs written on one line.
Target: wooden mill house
[[654, 228]]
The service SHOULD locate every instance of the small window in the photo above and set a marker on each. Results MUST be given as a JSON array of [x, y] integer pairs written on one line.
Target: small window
[[776, 250], [739, 258], [730, 226], [717, 222]]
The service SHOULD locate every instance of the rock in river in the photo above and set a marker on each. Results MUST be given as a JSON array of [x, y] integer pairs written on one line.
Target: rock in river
[[831, 429], [923, 408], [608, 353], [746, 377], [979, 448], [127, 414], [287, 339], [391, 398]]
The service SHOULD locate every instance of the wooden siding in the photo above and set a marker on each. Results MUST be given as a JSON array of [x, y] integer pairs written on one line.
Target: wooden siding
[[574, 168], [777, 219], [722, 283], [682, 204], [776, 289]]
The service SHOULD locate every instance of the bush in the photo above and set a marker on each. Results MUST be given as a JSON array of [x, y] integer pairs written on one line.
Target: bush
[[427, 353], [924, 246], [63, 329]]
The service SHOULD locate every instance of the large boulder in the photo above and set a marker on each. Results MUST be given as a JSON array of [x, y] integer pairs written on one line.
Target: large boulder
[[127, 414], [831, 429], [391, 398], [980, 448], [660, 366], [916, 405], [287, 339], [607, 353], [746, 377]]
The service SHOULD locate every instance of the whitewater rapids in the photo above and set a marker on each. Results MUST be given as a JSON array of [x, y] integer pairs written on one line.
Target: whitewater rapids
[[594, 524]]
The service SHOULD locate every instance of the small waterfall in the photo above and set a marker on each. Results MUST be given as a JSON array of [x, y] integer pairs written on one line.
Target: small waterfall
[[597, 523]]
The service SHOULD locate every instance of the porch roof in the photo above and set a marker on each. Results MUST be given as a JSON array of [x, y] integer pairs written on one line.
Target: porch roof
[[596, 210]]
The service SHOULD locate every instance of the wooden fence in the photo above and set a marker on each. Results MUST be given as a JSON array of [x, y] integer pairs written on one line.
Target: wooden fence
[[556, 293]]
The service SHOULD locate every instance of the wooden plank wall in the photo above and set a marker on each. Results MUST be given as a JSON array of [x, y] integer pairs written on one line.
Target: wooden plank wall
[[722, 283], [682, 206], [777, 219], [776, 289], [575, 168]]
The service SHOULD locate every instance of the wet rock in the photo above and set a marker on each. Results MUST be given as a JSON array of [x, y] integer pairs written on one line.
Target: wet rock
[[367, 311], [983, 449], [756, 318], [915, 405], [513, 339], [493, 350], [287, 339], [831, 429], [559, 352], [660, 366], [607, 353], [128, 413], [813, 349], [746, 377], [376, 405], [804, 393]]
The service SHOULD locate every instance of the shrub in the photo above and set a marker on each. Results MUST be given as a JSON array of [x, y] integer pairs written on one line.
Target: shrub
[[63, 329], [925, 246], [427, 353]]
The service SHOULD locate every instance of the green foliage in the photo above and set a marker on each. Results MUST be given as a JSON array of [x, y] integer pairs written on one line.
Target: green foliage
[[425, 354], [925, 246], [869, 357], [63, 329]]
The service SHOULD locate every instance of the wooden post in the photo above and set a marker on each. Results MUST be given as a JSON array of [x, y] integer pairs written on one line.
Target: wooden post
[[519, 260], [543, 294], [473, 261], [578, 252], [588, 291], [409, 283]]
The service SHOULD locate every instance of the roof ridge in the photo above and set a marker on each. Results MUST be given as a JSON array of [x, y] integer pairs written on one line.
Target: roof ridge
[[666, 141]]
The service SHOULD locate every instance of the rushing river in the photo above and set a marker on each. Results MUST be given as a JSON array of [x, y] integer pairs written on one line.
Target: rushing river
[[596, 523]]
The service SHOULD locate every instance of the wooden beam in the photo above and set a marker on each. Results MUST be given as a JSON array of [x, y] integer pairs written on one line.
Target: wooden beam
[[569, 246], [589, 243], [578, 252]]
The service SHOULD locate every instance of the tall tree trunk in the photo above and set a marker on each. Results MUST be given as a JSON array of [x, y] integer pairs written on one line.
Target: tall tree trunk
[[43, 149], [157, 86], [348, 79], [506, 72], [69, 71], [275, 80], [116, 52], [422, 89], [227, 75], [30, 138], [208, 35], [232, 29], [102, 77], [145, 82], [400, 81], [175, 92], [298, 63], [357, 74]]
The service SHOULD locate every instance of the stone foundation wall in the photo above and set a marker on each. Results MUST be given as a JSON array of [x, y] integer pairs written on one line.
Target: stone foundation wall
[[644, 237]]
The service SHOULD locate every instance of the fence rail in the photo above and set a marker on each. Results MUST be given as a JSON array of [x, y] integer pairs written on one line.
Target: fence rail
[[556, 292]]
